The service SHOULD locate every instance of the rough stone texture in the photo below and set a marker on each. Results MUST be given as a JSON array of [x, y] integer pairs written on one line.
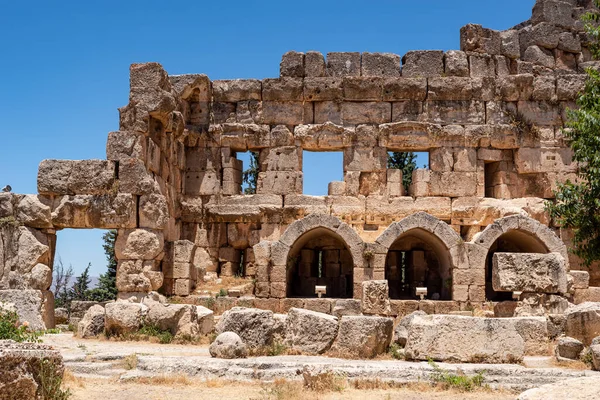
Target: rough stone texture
[[363, 336], [20, 365], [375, 298], [401, 330], [179, 319], [254, 326], [573, 389], [124, 317], [92, 323], [228, 345], [29, 304], [568, 347], [310, 332], [595, 349], [467, 339], [583, 322], [524, 272]]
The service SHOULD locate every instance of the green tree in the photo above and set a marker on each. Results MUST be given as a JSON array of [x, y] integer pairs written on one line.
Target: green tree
[[107, 283], [407, 163], [250, 176], [62, 277], [577, 204], [81, 287]]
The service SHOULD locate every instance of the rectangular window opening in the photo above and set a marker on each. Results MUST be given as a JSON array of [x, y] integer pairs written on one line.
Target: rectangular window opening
[[407, 162], [319, 170], [243, 173]]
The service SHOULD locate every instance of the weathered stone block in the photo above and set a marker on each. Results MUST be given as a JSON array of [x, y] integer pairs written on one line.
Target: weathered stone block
[[363, 88], [456, 63], [355, 113], [292, 65], [314, 64], [375, 297], [528, 272], [343, 64], [232, 91], [395, 89], [282, 89], [423, 64], [380, 64]]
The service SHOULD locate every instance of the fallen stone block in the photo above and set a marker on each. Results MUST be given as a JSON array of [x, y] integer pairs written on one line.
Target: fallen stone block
[[254, 326], [124, 317], [569, 348], [363, 336], [401, 330], [471, 339], [309, 331], [92, 323], [583, 322]]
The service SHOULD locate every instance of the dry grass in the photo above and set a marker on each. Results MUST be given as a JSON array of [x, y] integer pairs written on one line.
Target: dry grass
[[574, 364], [166, 380], [129, 362], [70, 380]]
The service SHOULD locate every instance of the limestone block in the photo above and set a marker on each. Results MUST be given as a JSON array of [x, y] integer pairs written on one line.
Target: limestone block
[[314, 64], [92, 323], [581, 279], [453, 184], [138, 244], [528, 272], [539, 56], [570, 86], [236, 90], [254, 326], [32, 210], [29, 306], [455, 112], [328, 111], [202, 183], [380, 64], [515, 87], [323, 89], [449, 88], [336, 188], [292, 65], [363, 88], [138, 276], [134, 178], [355, 113], [591, 294], [423, 64], [125, 144], [545, 35], [343, 64], [409, 110], [279, 182], [365, 158], [282, 89], [363, 336], [124, 317], [558, 13], [41, 277], [468, 339], [375, 297], [583, 322], [153, 211], [456, 63], [287, 158], [309, 331], [569, 42], [510, 44], [395, 89], [544, 88], [538, 160], [286, 113], [482, 66]]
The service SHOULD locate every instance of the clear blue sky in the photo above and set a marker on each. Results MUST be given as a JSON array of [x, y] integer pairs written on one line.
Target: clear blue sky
[[65, 65]]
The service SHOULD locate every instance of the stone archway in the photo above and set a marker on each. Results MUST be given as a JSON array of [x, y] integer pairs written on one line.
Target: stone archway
[[421, 250], [513, 234], [316, 235]]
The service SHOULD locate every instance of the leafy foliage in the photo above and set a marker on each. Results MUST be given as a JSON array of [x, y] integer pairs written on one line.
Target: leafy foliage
[[407, 163], [81, 287], [62, 277], [463, 383], [51, 382], [10, 328], [250, 176], [577, 204]]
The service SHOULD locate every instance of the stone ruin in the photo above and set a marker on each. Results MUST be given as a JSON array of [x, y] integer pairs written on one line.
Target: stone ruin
[[471, 228]]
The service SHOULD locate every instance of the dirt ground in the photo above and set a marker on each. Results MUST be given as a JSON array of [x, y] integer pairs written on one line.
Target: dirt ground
[[104, 389]]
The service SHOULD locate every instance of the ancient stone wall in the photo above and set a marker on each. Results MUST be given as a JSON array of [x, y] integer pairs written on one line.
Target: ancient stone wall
[[489, 115]]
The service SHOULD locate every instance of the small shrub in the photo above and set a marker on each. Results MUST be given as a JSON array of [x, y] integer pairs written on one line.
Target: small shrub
[[211, 337], [51, 382], [9, 221], [10, 328], [586, 357], [130, 361], [458, 381], [210, 303], [163, 336], [277, 349], [222, 293], [324, 381], [395, 351]]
